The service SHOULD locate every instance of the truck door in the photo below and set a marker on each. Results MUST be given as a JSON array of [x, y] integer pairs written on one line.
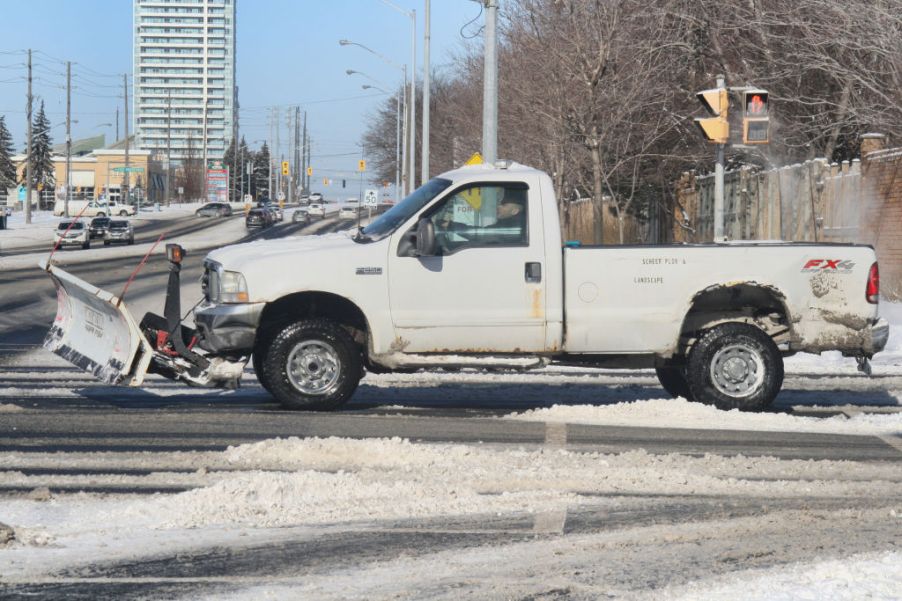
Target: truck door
[[484, 291]]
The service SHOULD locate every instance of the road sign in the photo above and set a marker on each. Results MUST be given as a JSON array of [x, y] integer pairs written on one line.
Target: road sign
[[476, 159], [128, 169], [371, 198], [181, 190], [22, 193], [280, 196], [248, 198], [361, 165]]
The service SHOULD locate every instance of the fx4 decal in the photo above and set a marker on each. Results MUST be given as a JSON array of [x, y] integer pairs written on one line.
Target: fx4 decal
[[836, 265]]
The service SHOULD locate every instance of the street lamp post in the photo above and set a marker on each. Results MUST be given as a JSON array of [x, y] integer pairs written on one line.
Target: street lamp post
[[409, 124], [413, 88], [398, 123], [397, 137]]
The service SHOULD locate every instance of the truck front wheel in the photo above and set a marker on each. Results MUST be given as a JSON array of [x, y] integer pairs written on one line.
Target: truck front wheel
[[312, 365], [735, 366]]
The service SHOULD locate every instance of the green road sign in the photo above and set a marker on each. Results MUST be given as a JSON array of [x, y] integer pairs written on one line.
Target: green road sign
[[128, 169]]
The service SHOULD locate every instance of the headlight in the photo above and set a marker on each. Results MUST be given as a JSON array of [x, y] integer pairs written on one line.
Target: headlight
[[232, 288]]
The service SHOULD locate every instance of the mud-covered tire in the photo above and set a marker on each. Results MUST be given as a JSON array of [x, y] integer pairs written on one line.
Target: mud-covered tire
[[257, 360], [123, 213], [312, 365], [735, 366], [673, 380]]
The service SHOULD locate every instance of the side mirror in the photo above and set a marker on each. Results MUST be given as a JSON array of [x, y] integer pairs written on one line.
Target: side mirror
[[425, 238]]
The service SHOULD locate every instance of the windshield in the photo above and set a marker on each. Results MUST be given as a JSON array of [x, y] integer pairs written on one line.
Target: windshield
[[405, 209], [78, 225], [119, 225]]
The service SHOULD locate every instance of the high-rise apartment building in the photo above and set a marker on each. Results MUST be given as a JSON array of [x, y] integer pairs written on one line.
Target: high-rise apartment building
[[184, 76]]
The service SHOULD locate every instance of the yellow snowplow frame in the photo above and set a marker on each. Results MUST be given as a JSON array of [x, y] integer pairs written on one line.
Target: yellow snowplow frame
[[93, 330]]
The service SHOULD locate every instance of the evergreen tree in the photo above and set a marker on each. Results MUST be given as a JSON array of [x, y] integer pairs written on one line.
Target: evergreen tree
[[228, 161], [42, 170], [244, 155], [7, 167], [260, 178]]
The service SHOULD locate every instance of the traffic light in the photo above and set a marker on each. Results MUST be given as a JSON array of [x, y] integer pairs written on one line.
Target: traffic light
[[361, 165], [309, 170], [717, 102], [344, 183], [285, 168], [755, 119]]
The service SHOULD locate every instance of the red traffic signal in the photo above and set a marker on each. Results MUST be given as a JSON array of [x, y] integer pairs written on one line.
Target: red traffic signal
[[755, 104]]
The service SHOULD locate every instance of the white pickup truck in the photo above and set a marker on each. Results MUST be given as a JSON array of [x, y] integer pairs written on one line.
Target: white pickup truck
[[95, 208], [470, 270]]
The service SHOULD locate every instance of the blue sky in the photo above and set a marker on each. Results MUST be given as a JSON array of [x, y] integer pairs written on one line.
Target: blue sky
[[288, 53]]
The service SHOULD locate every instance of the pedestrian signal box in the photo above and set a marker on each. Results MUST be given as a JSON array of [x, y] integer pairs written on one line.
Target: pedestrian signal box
[[755, 117]]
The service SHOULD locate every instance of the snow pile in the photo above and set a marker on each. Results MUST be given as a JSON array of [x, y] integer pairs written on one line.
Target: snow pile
[[872, 576], [680, 413], [293, 482]]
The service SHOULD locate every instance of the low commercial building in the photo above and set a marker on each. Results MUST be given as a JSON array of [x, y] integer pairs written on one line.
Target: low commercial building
[[101, 172]]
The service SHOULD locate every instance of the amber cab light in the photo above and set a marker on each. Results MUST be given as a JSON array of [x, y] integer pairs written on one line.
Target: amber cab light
[[872, 292]]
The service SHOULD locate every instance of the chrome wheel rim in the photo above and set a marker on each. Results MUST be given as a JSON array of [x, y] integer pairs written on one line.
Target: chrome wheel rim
[[313, 367], [737, 370]]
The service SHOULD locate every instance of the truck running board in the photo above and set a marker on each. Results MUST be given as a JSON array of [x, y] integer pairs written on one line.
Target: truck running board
[[95, 331], [414, 361]]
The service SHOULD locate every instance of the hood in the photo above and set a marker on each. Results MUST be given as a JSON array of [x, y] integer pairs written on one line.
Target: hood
[[248, 256]]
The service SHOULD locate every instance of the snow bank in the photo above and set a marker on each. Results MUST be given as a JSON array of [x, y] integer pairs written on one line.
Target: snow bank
[[680, 413], [872, 576], [295, 482]]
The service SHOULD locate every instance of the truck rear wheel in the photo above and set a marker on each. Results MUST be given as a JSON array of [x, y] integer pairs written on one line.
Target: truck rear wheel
[[312, 365], [673, 380], [735, 366]]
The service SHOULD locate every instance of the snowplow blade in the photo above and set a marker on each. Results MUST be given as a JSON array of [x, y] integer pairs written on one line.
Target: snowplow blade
[[95, 332]]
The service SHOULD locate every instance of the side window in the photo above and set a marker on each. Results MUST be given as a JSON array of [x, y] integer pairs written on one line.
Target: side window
[[482, 215]]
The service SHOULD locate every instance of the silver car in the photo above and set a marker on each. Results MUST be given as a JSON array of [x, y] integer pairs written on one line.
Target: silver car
[[119, 230]]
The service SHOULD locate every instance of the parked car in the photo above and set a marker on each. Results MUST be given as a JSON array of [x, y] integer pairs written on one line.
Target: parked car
[[300, 216], [76, 235], [258, 218], [316, 209], [119, 230], [99, 227], [348, 212], [214, 209]]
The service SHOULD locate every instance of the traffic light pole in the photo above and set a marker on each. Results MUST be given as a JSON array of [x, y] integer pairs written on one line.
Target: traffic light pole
[[718, 182]]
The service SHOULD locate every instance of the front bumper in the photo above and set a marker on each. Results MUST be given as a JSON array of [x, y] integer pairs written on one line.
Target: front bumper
[[227, 328]]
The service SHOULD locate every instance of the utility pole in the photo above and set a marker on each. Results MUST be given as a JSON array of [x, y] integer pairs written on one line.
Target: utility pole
[[296, 165], [718, 181], [204, 172], [278, 152], [68, 137], [424, 175], [309, 161], [398, 145], [168, 147], [126, 198], [490, 85], [304, 183], [413, 101], [272, 113], [235, 190], [117, 123], [28, 103], [405, 150]]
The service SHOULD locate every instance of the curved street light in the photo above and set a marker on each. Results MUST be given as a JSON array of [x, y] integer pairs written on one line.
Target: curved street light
[[397, 126]]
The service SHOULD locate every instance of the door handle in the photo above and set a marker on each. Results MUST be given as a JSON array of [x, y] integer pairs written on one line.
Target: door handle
[[533, 273]]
